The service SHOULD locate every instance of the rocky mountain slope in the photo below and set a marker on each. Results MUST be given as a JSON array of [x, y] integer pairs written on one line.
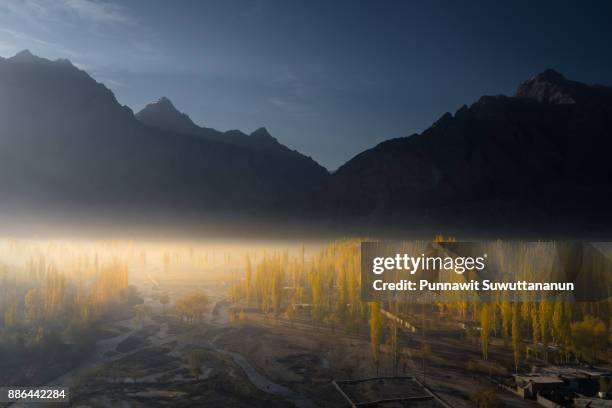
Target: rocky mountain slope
[[68, 144], [531, 158]]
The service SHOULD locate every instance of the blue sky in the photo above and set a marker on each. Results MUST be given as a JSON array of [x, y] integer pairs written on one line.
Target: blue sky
[[329, 78]]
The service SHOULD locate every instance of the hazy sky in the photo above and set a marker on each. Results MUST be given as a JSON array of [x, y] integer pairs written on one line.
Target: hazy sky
[[329, 78]]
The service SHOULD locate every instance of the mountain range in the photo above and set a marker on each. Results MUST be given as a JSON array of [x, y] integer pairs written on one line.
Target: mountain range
[[68, 144], [535, 159], [163, 115]]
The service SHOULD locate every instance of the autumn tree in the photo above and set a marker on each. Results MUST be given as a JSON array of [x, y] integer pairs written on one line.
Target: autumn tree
[[193, 306], [545, 317], [290, 314], [516, 336], [10, 315], [248, 279], [195, 360], [33, 305], [486, 399], [485, 329], [375, 332], [589, 336], [506, 314]]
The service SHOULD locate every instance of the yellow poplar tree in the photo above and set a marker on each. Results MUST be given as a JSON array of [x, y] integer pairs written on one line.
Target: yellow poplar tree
[[485, 329], [375, 332]]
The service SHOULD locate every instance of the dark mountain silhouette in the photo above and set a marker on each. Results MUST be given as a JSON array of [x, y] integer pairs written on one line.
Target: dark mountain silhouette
[[538, 158], [163, 115], [552, 87], [67, 143]]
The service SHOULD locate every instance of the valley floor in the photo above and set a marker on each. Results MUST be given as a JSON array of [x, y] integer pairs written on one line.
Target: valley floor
[[260, 361]]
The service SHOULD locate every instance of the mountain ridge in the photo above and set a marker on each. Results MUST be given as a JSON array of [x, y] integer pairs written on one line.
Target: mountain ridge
[[73, 146], [502, 160], [163, 115], [524, 160], [550, 86]]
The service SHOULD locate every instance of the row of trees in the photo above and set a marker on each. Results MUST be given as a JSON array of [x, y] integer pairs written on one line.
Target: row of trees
[[578, 330], [50, 301], [329, 283]]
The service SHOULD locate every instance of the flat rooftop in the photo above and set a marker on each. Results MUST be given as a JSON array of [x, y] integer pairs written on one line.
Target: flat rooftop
[[592, 403], [539, 379], [388, 392], [575, 372]]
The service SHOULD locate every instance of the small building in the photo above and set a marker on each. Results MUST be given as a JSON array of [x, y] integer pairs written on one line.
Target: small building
[[558, 386], [530, 385], [583, 380], [592, 403]]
